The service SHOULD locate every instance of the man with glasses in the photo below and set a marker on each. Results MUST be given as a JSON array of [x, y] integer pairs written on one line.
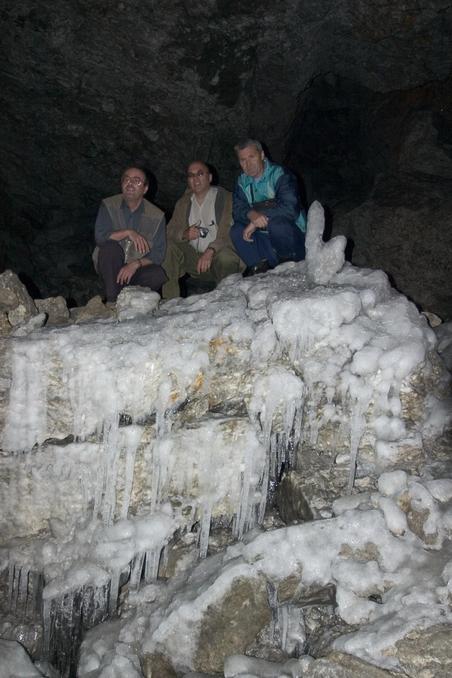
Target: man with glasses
[[269, 222], [130, 237], [198, 233]]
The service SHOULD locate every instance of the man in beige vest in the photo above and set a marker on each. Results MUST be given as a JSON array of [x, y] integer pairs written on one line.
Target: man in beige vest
[[198, 233], [130, 237]]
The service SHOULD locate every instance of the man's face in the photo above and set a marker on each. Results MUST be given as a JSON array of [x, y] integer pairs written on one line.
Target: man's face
[[133, 184], [198, 178], [251, 161]]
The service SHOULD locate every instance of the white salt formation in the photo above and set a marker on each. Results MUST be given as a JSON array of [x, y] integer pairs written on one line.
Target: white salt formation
[[120, 438]]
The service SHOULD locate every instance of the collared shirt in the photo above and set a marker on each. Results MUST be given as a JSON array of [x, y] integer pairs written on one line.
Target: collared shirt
[[204, 215], [130, 219]]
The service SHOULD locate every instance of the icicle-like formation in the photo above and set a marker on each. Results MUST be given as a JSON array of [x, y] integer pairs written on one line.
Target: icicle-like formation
[[161, 468], [151, 567], [111, 455], [132, 437], [46, 621], [65, 620], [163, 420], [116, 442], [206, 515], [24, 589], [26, 421], [357, 428], [264, 490], [358, 394], [251, 489], [136, 570], [291, 629], [277, 408], [115, 575]]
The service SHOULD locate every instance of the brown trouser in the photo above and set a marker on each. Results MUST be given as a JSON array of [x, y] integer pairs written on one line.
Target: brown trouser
[[110, 262], [182, 258]]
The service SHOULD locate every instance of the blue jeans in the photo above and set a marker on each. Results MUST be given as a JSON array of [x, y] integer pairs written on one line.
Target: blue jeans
[[282, 240]]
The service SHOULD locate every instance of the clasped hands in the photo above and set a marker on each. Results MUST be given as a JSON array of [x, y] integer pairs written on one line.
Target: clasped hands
[[128, 270], [205, 260]]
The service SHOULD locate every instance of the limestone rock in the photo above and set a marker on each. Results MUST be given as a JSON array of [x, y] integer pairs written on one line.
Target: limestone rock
[[232, 624], [179, 554], [134, 302], [157, 666], [426, 653], [30, 325], [341, 665], [291, 501], [307, 596], [420, 520], [27, 632], [55, 308], [94, 310], [444, 334], [5, 325], [15, 300]]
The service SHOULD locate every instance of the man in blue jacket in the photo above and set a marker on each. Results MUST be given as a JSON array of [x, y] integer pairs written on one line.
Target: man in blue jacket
[[269, 222]]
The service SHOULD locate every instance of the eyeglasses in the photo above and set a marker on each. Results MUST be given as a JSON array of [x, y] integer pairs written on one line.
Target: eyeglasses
[[193, 175], [135, 181]]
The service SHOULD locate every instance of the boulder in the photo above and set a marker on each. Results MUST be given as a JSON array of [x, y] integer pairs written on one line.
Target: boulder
[[95, 309], [231, 624], [55, 308], [15, 300], [426, 652]]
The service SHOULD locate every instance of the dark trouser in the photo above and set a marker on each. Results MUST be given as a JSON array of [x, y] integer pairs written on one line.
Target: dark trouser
[[182, 258], [282, 241], [110, 262]]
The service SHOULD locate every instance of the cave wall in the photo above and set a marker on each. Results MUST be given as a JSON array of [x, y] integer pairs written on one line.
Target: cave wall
[[386, 176], [89, 84]]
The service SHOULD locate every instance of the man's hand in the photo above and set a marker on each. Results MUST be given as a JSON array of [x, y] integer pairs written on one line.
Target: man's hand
[[205, 260], [141, 244], [248, 232], [126, 272], [258, 219], [191, 233]]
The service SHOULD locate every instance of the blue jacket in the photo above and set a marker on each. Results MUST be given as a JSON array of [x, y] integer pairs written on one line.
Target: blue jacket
[[277, 184]]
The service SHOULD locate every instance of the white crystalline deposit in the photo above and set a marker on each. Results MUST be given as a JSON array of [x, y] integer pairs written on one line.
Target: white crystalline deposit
[[134, 302], [14, 661], [198, 404], [387, 583], [323, 260], [355, 343]]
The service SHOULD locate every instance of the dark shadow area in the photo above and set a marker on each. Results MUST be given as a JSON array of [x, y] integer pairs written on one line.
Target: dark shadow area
[[32, 289]]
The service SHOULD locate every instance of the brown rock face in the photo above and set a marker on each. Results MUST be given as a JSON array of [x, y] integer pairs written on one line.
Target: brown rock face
[[427, 652], [340, 665], [228, 628], [157, 666]]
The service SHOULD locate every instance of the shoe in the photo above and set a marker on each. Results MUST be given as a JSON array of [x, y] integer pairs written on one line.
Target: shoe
[[261, 267]]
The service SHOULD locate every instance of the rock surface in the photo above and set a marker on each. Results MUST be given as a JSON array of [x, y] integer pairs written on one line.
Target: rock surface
[[15, 301], [426, 652]]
